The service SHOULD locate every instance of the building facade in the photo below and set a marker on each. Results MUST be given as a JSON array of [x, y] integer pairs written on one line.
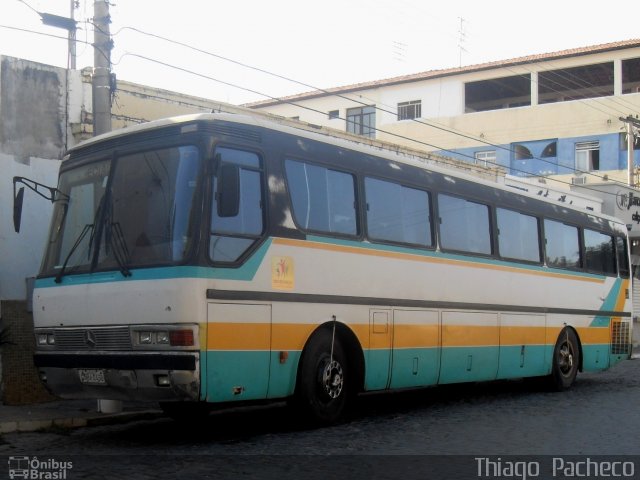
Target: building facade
[[45, 110], [550, 114]]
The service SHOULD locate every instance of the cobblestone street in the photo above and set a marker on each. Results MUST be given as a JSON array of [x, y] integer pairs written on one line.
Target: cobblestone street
[[598, 416]]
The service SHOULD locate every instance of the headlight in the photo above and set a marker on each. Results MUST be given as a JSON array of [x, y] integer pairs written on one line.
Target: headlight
[[145, 338], [165, 336], [162, 337], [45, 339]]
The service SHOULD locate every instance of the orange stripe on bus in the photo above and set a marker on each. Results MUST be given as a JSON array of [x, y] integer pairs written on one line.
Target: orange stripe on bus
[[427, 259]]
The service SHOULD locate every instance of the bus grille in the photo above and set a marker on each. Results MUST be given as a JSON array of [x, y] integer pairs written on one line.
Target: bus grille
[[109, 338], [620, 337]]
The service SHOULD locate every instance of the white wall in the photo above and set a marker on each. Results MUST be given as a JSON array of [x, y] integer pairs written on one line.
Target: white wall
[[21, 254]]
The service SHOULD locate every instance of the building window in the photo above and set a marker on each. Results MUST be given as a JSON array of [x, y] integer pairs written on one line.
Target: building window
[[410, 110], [362, 121], [497, 93], [587, 156], [575, 83], [631, 75], [333, 114], [550, 151], [485, 158], [623, 142], [522, 153]]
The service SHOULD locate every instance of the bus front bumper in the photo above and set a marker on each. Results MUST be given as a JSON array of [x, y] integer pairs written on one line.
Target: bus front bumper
[[147, 376]]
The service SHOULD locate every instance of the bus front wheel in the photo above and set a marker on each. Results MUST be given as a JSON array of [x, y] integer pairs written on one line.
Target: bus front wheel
[[324, 382], [566, 360]]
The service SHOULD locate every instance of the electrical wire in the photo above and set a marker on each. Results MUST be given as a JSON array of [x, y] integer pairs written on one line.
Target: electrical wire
[[284, 100], [333, 93]]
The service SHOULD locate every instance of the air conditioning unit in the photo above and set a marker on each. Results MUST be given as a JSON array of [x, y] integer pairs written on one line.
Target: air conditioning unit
[[578, 180]]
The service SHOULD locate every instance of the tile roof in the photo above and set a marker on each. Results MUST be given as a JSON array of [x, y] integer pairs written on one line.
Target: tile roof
[[414, 77]]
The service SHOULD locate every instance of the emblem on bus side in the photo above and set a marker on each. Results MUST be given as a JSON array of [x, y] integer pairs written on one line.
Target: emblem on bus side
[[282, 273]]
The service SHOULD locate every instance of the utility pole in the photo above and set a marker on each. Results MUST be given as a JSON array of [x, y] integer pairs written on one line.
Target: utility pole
[[101, 92], [101, 68], [632, 124], [71, 62]]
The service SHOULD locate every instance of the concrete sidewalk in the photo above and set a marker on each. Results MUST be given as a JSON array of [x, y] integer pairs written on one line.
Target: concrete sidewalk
[[69, 414]]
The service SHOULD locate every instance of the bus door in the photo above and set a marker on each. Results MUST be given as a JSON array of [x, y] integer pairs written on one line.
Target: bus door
[[416, 348], [238, 351], [379, 353]]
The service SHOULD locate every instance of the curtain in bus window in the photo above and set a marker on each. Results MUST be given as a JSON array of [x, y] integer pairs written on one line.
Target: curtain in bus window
[[396, 213], [599, 252], [562, 244], [323, 199], [464, 225]]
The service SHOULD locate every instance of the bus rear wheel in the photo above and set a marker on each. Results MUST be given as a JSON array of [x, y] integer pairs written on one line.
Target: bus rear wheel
[[324, 387], [566, 360]]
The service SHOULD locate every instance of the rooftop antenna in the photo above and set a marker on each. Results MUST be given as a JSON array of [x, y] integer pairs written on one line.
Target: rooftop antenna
[[461, 40]]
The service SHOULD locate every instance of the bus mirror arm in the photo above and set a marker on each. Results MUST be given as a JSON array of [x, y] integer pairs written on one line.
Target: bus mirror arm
[[228, 190], [50, 193]]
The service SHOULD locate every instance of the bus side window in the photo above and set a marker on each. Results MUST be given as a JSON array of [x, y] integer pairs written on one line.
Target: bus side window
[[464, 225], [323, 200], [396, 213], [562, 244], [518, 236], [623, 257], [234, 230], [599, 252]]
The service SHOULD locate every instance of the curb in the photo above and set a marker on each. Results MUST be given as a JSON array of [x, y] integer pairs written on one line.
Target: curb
[[71, 423]]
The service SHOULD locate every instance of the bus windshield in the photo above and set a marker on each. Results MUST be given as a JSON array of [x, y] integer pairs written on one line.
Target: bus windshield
[[130, 211]]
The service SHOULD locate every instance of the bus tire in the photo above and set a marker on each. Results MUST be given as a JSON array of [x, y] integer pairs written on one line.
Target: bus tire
[[566, 360], [325, 386]]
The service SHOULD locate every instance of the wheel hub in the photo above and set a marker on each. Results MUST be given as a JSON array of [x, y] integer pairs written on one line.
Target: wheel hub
[[333, 379], [565, 360]]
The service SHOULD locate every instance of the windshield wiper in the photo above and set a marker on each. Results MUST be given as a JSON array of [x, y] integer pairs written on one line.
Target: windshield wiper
[[119, 248], [83, 233]]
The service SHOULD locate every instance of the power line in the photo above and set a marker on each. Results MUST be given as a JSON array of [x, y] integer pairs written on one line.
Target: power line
[[328, 92], [283, 100]]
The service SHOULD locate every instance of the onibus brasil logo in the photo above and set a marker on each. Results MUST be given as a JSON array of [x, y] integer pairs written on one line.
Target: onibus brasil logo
[[37, 469]]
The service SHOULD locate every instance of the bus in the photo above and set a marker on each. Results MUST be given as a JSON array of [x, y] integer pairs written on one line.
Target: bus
[[224, 258]]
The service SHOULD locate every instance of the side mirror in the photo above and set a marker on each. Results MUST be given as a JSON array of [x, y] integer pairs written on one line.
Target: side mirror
[[228, 190], [18, 200]]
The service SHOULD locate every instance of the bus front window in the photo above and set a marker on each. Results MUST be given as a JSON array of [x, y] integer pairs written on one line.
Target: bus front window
[[139, 217]]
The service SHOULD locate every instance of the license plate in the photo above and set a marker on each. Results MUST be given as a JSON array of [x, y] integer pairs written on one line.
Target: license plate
[[92, 377]]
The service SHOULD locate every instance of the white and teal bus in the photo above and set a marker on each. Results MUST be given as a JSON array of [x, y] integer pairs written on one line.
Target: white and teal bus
[[223, 258]]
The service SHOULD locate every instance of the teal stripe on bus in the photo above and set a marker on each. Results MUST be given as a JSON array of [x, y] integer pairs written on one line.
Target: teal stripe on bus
[[246, 272], [608, 305], [254, 375]]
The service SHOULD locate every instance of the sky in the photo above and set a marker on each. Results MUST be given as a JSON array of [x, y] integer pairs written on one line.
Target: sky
[[319, 44]]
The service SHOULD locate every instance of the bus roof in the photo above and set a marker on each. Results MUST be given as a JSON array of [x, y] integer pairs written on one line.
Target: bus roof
[[491, 177]]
